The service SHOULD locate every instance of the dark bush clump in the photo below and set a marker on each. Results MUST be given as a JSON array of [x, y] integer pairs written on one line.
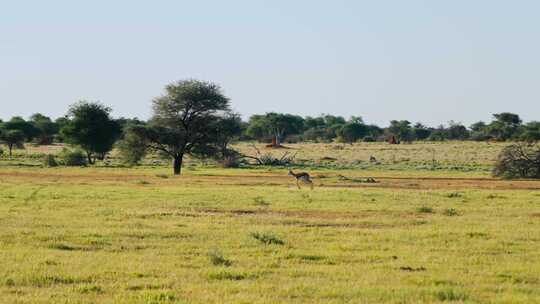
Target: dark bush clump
[[131, 149], [518, 161], [73, 158], [267, 238], [49, 161], [217, 258], [424, 209]]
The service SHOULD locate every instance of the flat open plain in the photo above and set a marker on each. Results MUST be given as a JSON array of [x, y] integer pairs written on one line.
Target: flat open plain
[[140, 235]]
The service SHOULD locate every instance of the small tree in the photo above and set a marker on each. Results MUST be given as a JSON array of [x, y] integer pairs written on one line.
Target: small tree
[[352, 131], [46, 128], [91, 128], [13, 139], [184, 121], [457, 131], [276, 125], [401, 129], [531, 132], [132, 147], [60, 123], [226, 130], [18, 123], [421, 132], [505, 126]]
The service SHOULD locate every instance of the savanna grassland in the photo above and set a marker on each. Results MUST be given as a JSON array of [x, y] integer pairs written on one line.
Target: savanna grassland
[[434, 227]]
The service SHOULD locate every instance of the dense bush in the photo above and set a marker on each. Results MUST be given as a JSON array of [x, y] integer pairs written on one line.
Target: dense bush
[[49, 161], [73, 157], [131, 149], [518, 161]]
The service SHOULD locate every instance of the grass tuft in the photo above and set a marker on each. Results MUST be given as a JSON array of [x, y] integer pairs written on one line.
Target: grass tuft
[[157, 298], [51, 280], [312, 258], [90, 289], [61, 246], [260, 201], [450, 212], [267, 238], [227, 275], [454, 195], [217, 258], [424, 209], [450, 295]]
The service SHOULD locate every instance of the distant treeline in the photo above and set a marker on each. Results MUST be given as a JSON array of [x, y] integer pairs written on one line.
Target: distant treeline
[[280, 127], [194, 118]]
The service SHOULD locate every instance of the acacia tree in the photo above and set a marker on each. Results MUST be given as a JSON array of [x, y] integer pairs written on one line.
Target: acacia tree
[[12, 138], [531, 132], [18, 123], [226, 129], [504, 126], [46, 128], [91, 127], [184, 121], [277, 125], [352, 131], [401, 129]]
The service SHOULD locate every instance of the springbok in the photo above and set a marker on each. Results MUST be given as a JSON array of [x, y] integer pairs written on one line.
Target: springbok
[[301, 177]]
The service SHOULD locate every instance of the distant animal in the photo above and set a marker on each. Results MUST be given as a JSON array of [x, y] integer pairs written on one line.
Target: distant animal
[[301, 177], [372, 159]]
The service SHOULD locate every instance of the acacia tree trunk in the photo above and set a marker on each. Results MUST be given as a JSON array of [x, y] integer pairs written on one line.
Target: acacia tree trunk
[[177, 164], [89, 157]]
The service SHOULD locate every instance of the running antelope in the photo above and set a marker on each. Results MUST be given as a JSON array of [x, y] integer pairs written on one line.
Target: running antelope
[[301, 177]]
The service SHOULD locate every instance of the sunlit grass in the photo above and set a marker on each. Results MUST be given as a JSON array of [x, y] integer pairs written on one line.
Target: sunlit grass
[[107, 237], [140, 235]]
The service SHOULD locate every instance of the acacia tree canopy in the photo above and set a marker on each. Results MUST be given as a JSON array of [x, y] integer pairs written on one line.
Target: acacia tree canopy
[[184, 120], [46, 128], [352, 131], [12, 138], [18, 123], [277, 125]]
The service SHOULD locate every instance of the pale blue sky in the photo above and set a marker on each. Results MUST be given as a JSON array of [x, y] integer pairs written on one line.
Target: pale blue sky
[[428, 61]]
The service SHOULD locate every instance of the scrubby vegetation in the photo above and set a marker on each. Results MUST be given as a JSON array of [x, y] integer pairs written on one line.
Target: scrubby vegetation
[[73, 157], [518, 161], [193, 119]]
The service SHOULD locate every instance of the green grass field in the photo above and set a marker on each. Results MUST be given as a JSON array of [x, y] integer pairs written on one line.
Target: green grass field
[[421, 234]]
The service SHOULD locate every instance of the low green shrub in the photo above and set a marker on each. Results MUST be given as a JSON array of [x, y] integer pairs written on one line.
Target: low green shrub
[[424, 209], [73, 157], [49, 161], [267, 238], [217, 258], [450, 212]]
